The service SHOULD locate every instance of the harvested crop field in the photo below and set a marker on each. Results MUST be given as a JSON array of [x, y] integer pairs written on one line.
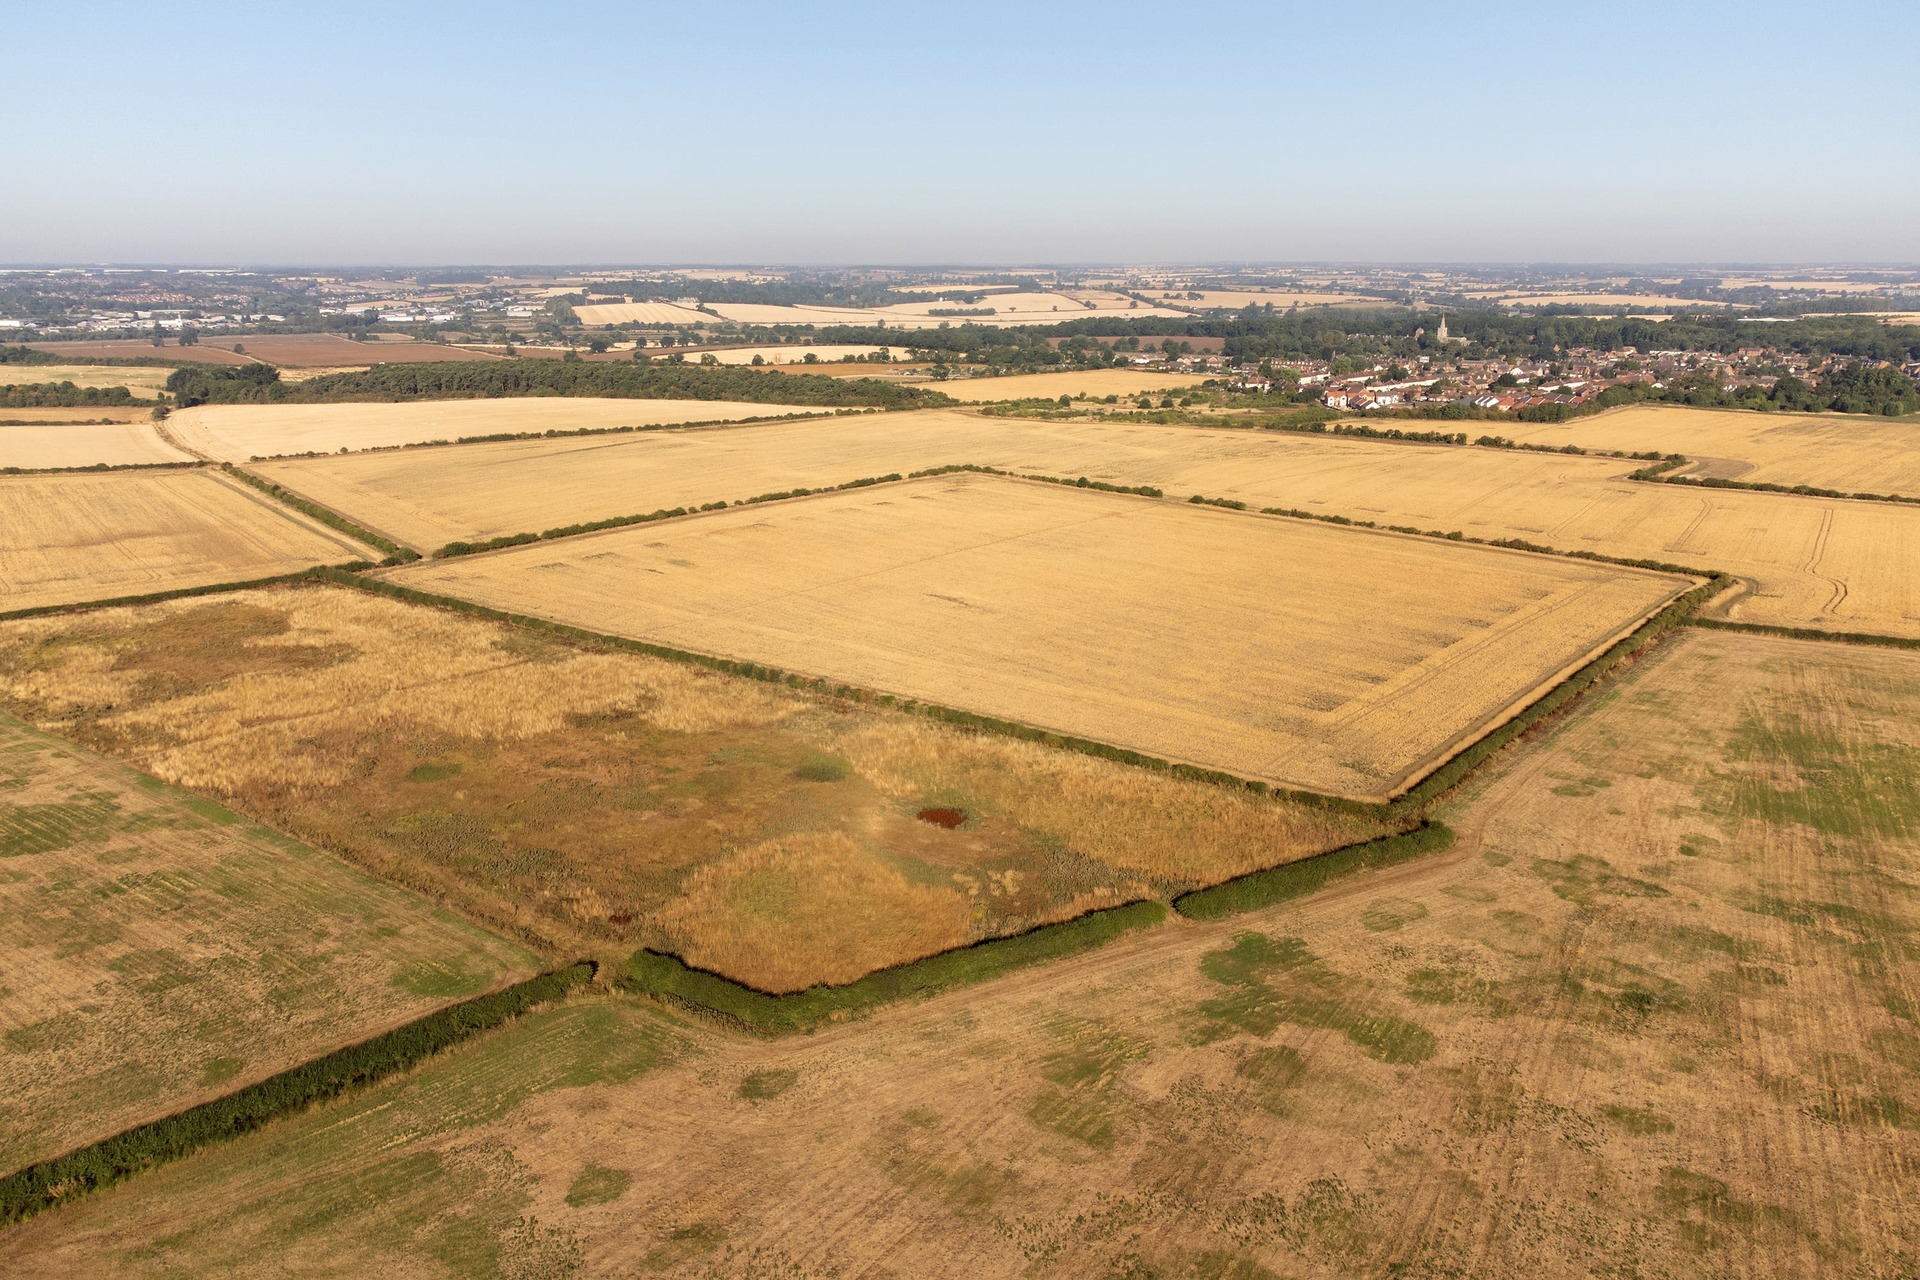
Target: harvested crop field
[[591, 800], [238, 432], [1808, 562], [640, 313], [141, 380], [78, 537], [159, 951], [1853, 453], [74, 444], [793, 353], [1651, 1016], [1274, 649], [1097, 383]]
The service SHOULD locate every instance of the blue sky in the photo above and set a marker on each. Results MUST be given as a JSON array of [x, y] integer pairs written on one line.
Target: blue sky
[[984, 132]]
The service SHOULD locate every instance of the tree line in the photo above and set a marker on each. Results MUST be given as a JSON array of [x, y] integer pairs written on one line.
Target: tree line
[[493, 379]]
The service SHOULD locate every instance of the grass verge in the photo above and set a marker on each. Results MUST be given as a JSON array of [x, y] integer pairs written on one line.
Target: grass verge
[[53, 1182], [1298, 879], [666, 977]]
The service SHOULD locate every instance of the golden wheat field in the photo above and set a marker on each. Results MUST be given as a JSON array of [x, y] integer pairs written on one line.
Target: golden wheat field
[[640, 313], [1853, 453], [112, 1013], [141, 380], [78, 537], [1650, 1016], [237, 433], [1094, 384], [1275, 649], [80, 444], [589, 800], [1813, 562]]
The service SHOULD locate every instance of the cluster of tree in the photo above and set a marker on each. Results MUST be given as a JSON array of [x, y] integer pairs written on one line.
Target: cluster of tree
[[1855, 388], [27, 355], [473, 379], [62, 395]]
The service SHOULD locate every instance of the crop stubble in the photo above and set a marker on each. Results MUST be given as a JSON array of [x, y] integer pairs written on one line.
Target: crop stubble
[[159, 951], [1811, 562], [78, 537], [1333, 660]]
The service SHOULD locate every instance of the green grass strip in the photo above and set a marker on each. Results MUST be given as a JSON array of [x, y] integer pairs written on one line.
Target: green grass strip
[[52, 1182], [1809, 633], [396, 554], [665, 977], [1309, 875]]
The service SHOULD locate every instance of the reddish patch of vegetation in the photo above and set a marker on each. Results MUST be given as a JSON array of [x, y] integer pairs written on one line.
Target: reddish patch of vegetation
[[948, 818], [620, 919]]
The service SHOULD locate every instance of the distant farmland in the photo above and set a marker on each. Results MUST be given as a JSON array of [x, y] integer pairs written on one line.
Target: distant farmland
[[73, 538], [1125, 383], [1809, 561], [1275, 649], [239, 432]]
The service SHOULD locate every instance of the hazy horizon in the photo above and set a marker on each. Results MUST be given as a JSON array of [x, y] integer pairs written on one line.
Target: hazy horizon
[[867, 134]]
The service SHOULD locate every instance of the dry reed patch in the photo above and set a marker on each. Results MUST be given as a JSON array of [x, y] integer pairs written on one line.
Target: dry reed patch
[[1849, 452], [72, 538], [1234, 642], [569, 795], [239, 432], [793, 912], [1640, 1026], [77, 444], [159, 951]]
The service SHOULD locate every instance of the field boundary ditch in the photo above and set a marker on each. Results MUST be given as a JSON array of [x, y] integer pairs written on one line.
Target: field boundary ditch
[[50, 1183], [396, 554], [1807, 633], [673, 981]]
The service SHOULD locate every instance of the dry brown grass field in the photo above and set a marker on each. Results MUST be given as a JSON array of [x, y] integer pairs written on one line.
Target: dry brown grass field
[[143, 349], [77, 537], [330, 350], [1009, 310], [1296, 653], [141, 380], [159, 951], [75, 444], [1850, 452], [588, 801], [1237, 298], [1813, 562], [1051, 386], [238, 432], [1651, 1017]]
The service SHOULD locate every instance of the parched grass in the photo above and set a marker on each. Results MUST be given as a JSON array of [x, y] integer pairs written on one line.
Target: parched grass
[[665, 977], [53, 1182]]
